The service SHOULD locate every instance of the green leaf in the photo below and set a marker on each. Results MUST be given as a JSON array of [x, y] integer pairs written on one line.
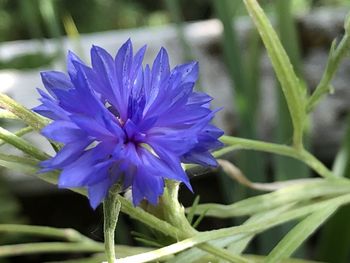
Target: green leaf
[[190, 215], [240, 245], [290, 84], [295, 193], [67, 234], [19, 164], [246, 90], [336, 55], [199, 219], [299, 234], [29, 166], [258, 259], [235, 244], [203, 237]]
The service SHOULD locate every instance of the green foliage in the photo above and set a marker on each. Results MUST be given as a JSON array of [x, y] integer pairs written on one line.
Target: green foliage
[[9, 207], [28, 61], [306, 202]]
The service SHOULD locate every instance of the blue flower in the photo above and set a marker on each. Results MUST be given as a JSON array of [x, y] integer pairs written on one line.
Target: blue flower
[[122, 122]]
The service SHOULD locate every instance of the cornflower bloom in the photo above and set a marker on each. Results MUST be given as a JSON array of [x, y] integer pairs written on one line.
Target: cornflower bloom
[[121, 122]]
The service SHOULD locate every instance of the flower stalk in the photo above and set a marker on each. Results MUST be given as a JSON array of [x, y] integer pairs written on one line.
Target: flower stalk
[[111, 209], [30, 118], [301, 155], [336, 55]]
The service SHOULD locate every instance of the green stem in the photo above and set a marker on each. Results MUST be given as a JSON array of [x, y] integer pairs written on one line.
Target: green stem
[[174, 213], [62, 247], [337, 54], [166, 228], [111, 209], [223, 253], [19, 133], [318, 189], [22, 144], [49, 247], [174, 8], [4, 114], [204, 237], [68, 234], [294, 238], [153, 222], [299, 154], [30, 118], [148, 219]]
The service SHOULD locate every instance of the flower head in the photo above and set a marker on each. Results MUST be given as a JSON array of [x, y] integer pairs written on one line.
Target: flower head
[[122, 122]]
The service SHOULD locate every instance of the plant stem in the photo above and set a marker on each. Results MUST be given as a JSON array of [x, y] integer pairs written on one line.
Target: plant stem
[[30, 118], [299, 154], [337, 54], [174, 8], [317, 189], [5, 114], [204, 237], [223, 253], [62, 247], [111, 209], [174, 213], [19, 133], [22, 144], [49, 247], [68, 234], [164, 227]]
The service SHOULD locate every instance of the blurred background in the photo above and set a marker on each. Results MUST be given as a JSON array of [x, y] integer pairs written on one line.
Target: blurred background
[[234, 68]]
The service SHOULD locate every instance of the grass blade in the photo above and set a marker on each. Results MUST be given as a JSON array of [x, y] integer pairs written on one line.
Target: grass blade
[[293, 91], [332, 247], [299, 234]]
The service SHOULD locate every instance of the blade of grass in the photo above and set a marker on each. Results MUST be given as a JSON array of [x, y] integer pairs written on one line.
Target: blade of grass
[[246, 93], [333, 247], [235, 244], [48, 12], [231, 231], [65, 234], [30, 15], [293, 90], [73, 34], [240, 245], [336, 55], [174, 8], [299, 234], [285, 168], [190, 215], [295, 193]]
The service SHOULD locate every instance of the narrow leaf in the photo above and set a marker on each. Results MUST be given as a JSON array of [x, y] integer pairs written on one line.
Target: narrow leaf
[[299, 234], [190, 215], [290, 84], [295, 193]]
